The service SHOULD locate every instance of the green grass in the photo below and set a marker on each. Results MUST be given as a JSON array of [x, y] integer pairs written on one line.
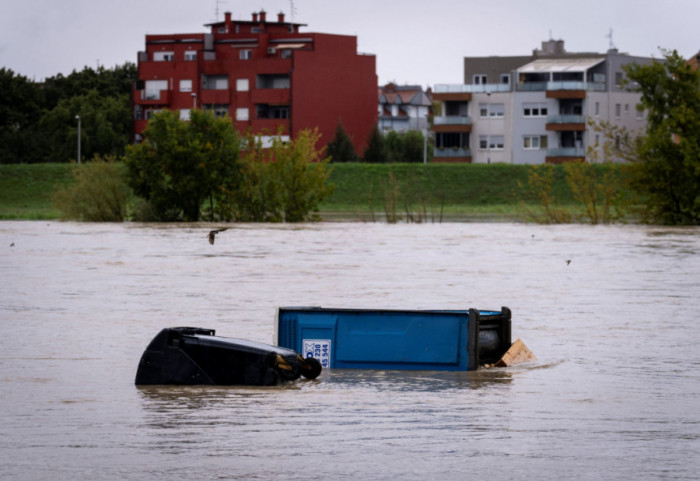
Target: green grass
[[362, 191], [26, 190]]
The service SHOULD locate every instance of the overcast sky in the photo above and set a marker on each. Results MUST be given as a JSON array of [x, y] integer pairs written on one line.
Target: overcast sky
[[415, 42]]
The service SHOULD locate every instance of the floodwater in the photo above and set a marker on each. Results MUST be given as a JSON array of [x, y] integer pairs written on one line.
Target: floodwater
[[614, 393]]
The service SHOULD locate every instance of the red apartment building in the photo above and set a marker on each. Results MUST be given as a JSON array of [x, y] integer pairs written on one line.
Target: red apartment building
[[265, 75]]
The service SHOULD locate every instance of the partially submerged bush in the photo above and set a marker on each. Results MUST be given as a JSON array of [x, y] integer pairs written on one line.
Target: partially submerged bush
[[98, 193]]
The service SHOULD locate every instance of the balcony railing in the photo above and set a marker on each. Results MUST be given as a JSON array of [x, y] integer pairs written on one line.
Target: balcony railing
[[566, 152], [569, 85], [468, 88], [566, 119], [452, 152], [452, 120]]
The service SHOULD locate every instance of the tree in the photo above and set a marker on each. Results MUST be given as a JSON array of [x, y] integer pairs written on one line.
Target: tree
[[669, 152], [395, 146], [301, 173], [181, 164], [340, 148], [37, 121], [20, 111], [376, 149], [105, 126], [285, 183], [413, 146]]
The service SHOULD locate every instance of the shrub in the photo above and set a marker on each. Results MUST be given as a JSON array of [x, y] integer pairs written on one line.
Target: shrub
[[98, 193]]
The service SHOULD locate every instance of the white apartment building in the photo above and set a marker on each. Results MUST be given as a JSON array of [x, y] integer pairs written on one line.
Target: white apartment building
[[533, 109]]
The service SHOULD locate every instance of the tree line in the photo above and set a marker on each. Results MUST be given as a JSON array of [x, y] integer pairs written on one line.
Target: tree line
[[38, 119]]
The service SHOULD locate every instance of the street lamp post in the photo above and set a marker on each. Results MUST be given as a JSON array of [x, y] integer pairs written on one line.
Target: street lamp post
[[78, 118], [488, 124]]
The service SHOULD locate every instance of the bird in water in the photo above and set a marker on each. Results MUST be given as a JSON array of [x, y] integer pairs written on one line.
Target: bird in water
[[212, 234]]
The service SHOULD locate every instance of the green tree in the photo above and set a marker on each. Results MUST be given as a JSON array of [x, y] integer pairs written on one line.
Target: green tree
[[413, 146], [301, 174], [395, 146], [376, 150], [20, 111], [341, 148], [257, 198], [285, 183], [669, 152], [179, 165], [105, 126]]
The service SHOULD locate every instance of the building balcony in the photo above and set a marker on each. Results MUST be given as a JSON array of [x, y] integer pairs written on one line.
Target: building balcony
[[562, 89], [272, 96], [161, 97], [214, 96], [560, 123], [470, 88], [452, 123], [452, 154], [563, 155]]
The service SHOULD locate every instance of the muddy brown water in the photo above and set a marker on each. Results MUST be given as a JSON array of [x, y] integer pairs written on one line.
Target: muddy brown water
[[614, 394]]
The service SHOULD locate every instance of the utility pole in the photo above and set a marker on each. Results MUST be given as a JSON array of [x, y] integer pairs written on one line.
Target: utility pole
[[78, 118]]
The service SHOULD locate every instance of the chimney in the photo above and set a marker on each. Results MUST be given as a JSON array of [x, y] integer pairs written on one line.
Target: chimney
[[255, 16], [227, 18], [280, 17], [263, 16]]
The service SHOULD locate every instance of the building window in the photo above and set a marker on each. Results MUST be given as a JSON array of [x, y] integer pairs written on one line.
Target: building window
[[162, 56], [491, 110], [618, 110], [534, 142], [272, 81], [149, 113], [534, 110], [185, 115], [480, 79], [185, 85], [190, 55], [219, 110], [245, 54], [242, 114], [215, 82], [242, 85], [265, 111], [505, 79], [618, 79], [640, 112], [153, 88], [493, 142]]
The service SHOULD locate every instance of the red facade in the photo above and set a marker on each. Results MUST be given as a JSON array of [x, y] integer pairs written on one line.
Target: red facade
[[264, 75]]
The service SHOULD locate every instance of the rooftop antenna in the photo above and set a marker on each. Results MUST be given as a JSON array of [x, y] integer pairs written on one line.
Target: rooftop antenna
[[216, 12], [609, 36], [292, 9]]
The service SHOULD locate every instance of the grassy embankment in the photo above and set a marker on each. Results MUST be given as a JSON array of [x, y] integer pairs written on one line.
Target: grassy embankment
[[427, 193]]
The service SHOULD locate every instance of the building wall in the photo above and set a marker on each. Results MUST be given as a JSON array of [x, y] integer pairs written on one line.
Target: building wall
[[326, 79], [332, 84]]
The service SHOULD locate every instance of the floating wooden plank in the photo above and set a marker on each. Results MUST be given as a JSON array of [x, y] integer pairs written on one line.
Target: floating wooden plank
[[517, 353]]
